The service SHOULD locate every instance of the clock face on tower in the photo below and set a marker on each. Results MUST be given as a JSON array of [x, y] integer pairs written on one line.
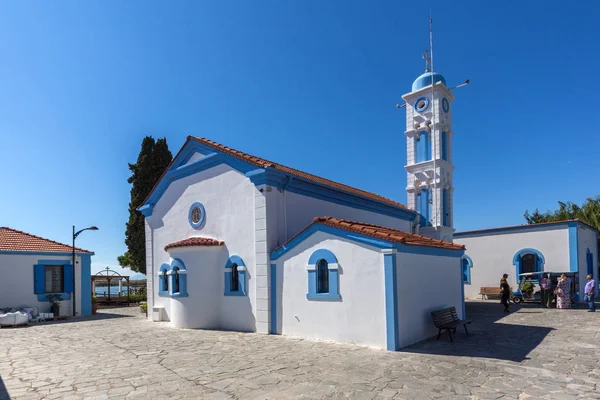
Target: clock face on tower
[[421, 104], [445, 105]]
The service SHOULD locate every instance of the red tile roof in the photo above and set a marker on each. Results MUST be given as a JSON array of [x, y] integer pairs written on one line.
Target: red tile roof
[[14, 240], [383, 233], [195, 241], [263, 163]]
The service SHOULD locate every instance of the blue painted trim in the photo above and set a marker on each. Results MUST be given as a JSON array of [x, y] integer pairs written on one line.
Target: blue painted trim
[[273, 299], [55, 262], [445, 208], [68, 278], [272, 177], [161, 285], [424, 107], [241, 278], [391, 302], [39, 279], [85, 306], [517, 260], [427, 79], [573, 248], [423, 147], [44, 253], [427, 250], [444, 146], [322, 254], [197, 225], [462, 286], [589, 259], [64, 297], [469, 265], [521, 228], [445, 105], [176, 262], [333, 276]]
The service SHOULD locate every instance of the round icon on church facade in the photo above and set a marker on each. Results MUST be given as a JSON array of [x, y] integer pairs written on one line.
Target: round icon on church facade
[[421, 104], [196, 215], [445, 105]]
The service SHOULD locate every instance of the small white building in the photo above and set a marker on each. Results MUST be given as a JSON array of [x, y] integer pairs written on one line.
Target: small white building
[[32, 267], [566, 246]]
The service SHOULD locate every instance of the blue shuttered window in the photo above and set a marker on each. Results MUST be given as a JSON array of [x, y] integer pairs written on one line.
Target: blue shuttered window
[[39, 281], [423, 147], [234, 277], [423, 206], [445, 208]]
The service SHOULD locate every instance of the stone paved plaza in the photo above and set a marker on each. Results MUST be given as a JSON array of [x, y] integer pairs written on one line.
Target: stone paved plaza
[[533, 353]]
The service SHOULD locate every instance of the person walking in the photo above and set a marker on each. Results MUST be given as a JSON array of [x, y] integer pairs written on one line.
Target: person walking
[[563, 293], [590, 293], [546, 286], [505, 294]]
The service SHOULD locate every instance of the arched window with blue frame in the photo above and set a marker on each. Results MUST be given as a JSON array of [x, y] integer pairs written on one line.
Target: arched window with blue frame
[[163, 280], [467, 264], [178, 276], [234, 277], [423, 206], [590, 262], [527, 261], [323, 276], [422, 147]]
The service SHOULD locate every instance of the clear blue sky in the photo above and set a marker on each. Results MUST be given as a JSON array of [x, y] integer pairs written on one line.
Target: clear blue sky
[[311, 84]]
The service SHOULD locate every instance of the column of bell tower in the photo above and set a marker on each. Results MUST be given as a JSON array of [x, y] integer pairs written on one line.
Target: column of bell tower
[[429, 155]]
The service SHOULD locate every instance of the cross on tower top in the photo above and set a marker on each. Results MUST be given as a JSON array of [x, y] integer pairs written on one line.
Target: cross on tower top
[[427, 59]]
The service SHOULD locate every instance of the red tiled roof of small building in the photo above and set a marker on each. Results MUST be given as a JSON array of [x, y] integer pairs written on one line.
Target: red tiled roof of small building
[[263, 163], [383, 233], [14, 240], [195, 241]]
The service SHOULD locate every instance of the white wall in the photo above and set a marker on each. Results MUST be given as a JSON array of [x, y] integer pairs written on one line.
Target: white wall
[[228, 199], [493, 254], [301, 210], [203, 305], [359, 317], [425, 283], [586, 238], [16, 285]]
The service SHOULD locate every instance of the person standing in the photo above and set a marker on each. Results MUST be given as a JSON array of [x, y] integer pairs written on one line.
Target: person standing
[[563, 293], [546, 286], [505, 294], [590, 293]]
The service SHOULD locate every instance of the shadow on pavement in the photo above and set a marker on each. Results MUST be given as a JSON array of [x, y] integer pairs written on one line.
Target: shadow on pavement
[[3, 391], [488, 336]]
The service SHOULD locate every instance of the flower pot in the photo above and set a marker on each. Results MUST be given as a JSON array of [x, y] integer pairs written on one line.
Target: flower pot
[[54, 309], [94, 308]]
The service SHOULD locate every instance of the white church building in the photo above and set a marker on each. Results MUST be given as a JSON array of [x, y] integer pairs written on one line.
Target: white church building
[[237, 242]]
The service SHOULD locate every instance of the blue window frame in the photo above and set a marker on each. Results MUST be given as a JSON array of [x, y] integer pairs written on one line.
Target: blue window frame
[[234, 277], [178, 275], [445, 208], [444, 146], [196, 215], [423, 206], [323, 276], [53, 277], [590, 262], [423, 147], [163, 280], [528, 260], [467, 264]]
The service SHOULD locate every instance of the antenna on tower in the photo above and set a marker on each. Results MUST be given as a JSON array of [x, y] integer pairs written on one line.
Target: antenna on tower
[[434, 196]]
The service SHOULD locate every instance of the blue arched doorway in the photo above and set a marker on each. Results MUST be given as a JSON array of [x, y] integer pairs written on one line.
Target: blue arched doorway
[[528, 260]]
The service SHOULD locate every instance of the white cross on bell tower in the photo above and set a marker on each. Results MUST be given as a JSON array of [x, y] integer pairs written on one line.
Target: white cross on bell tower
[[429, 153]]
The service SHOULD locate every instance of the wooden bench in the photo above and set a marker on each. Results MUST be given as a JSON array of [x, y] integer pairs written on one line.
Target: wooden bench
[[489, 291], [448, 320]]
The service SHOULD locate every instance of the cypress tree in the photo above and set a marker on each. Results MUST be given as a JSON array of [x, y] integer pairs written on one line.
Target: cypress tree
[[153, 159]]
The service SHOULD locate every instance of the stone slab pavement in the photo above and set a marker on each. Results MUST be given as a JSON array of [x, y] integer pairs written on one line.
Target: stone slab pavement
[[533, 353]]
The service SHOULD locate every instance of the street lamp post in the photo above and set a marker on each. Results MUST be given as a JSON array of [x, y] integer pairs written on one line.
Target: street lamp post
[[75, 234]]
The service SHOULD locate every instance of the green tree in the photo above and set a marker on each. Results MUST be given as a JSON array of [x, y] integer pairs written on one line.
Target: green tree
[[589, 213], [153, 159]]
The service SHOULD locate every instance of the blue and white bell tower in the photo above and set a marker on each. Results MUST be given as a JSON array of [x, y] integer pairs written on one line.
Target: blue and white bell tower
[[429, 154]]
